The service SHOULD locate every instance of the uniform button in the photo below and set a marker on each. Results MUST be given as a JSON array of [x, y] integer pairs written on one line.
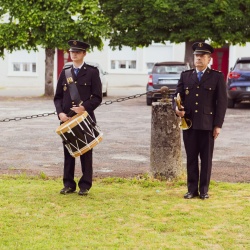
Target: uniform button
[[72, 102], [211, 113], [210, 89], [198, 87], [196, 111], [196, 103], [85, 83], [75, 82], [197, 94]]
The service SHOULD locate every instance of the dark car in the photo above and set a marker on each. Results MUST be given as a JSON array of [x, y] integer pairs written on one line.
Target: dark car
[[238, 82], [163, 74]]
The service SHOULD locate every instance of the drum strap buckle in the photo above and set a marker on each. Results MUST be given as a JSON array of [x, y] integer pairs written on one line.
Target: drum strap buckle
[[70, 80]]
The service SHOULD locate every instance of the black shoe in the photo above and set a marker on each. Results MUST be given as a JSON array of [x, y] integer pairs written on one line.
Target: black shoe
[[67, 190], [190, 195], [83, 192], [204, 196]]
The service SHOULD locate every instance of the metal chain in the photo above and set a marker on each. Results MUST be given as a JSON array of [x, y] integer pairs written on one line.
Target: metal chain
[[122, 99], [54, 113], [27, 117]]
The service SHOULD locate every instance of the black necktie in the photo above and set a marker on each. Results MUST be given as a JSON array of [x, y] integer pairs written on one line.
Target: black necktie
[[200, 73]]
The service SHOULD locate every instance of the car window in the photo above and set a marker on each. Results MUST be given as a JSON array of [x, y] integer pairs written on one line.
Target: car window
[[244, 66], [169, 69]]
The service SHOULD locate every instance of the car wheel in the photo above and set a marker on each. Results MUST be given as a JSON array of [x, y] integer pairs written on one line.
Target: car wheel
[[149, 101], [230, 103]]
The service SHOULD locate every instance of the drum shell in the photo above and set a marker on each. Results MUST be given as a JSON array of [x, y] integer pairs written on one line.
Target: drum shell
[[80, 134]]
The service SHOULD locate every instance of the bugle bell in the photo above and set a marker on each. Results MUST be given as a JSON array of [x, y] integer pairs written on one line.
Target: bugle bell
[[185, 123]]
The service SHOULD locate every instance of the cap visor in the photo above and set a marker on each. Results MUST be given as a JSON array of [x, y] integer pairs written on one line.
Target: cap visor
[[201, 52], [75, 49]]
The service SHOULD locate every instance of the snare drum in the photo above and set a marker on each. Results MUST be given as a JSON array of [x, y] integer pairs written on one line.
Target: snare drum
[[80, 134]]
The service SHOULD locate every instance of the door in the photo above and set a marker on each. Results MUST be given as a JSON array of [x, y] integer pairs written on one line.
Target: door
[[220, 60]]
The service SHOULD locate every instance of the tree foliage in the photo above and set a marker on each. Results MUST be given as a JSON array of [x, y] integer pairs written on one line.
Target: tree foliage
[[27, 24], [139, 23]]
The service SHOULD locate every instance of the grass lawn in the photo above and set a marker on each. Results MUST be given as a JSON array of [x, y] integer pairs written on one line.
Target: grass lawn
[[139, 213]]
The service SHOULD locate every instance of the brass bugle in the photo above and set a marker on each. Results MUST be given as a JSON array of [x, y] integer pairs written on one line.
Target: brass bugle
[[185, 123]]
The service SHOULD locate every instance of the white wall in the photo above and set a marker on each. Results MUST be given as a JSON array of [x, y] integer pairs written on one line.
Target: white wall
[[138, 76], [11, 79], [237, 51], [117, 77]]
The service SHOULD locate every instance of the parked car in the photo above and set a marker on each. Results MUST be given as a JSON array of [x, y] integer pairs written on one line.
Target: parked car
[[238, 82], [163, 74], [102, 74]]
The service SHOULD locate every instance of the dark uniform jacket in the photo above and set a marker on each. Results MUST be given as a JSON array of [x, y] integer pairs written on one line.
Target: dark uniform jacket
[[89, 87], [204, 101]]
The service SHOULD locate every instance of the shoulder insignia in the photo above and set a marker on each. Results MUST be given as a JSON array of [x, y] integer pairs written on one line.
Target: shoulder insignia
[[184, 71], [216, 70], [92, 66], [67, 66]]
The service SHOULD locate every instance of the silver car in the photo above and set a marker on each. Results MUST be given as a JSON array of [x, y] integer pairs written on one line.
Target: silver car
[[163, 74]]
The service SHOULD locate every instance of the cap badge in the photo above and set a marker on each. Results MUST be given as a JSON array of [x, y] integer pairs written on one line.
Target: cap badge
[[200, 45], [75, 42]]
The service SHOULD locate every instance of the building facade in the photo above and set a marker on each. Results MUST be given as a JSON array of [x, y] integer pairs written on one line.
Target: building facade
[[125, 67]]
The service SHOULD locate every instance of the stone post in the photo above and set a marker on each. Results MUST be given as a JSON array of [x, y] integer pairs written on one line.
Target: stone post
[[165, 151]]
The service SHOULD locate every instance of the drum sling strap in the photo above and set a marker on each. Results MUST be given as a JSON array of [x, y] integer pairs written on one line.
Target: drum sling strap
[[73, 91]]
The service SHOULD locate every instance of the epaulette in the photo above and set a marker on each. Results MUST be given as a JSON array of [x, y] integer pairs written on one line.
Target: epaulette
[[216, 70], [187, 70], [67, 66], [92, 66]]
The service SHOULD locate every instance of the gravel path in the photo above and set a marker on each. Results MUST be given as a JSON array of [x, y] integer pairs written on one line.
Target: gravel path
[[32, 146]]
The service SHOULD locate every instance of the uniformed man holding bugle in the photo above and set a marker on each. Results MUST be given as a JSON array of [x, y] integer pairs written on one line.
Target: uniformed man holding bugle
[[204, 99]]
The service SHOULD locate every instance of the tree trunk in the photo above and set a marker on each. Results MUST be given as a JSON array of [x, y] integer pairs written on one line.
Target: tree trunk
[[165, 152], [49, 72], [189, 57]]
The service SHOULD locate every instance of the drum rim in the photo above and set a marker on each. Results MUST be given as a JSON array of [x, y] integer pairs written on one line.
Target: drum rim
[[88, 147], [72, 122]]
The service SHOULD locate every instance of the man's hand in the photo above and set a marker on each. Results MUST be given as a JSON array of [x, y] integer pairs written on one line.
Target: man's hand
[[216, 132], [63, 117], [178, 112], [78, 110]]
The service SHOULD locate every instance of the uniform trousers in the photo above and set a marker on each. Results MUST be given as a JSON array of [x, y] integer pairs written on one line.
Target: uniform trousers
[[198, 143], [85, 181]]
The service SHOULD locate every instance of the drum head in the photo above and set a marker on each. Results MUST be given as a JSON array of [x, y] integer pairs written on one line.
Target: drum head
[[72, 122]]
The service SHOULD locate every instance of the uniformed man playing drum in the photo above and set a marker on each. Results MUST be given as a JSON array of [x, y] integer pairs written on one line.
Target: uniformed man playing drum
[[204, 98], [88, 85]]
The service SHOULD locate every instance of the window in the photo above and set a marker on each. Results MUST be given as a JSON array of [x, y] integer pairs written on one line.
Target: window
[[123, 64], [16, 66], [124, 59], [132, 64], [24, 67], [22, 63]]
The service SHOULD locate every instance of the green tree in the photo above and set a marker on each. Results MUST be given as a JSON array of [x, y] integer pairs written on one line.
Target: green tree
[[49, 24], [138, 23]]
